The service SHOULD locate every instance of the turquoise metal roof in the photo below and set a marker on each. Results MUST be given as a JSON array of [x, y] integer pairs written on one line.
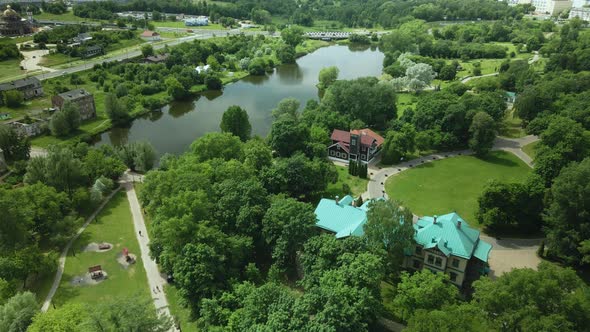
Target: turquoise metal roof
[[449, 238], [341, 218]]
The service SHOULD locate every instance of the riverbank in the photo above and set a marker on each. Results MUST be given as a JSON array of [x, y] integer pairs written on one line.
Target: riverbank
[[90, 131]]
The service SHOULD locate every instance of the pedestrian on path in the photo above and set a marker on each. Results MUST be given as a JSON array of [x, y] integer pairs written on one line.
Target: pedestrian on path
[[140, 234], [158, 288]]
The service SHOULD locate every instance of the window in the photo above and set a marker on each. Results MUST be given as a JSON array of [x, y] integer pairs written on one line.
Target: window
[[455, 263], [416, 264], [453, 276], [418, 250], [332, 153], [430, 259], [353, 141], [438, 261]]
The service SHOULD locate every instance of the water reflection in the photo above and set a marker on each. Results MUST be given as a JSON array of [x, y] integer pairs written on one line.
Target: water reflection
[[182, 122]]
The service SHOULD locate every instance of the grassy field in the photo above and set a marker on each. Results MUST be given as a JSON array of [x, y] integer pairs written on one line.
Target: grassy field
[[181, 25], [511, 126], [67, 17], [10, 68], [530, 149], [113, 225], [356, 184], [454, 184], [182, 314], [406, 100], [310, 45]]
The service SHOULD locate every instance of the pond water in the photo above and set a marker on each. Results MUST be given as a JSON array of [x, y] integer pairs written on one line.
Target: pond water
[[180, 123]]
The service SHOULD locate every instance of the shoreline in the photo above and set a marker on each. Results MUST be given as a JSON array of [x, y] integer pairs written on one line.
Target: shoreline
[[106, 125]]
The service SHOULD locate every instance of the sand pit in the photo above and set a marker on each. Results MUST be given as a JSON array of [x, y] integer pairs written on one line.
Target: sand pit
[[87, 280], [124, 261], [98, 247]]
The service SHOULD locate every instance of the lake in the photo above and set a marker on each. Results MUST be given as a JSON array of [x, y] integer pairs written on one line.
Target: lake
[[180, 123]]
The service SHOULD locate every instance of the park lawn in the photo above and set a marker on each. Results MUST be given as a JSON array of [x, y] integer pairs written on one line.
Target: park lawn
[[10, 68], [310, 45], [531, 149], [454, 184], [356, 184], [511, 126], [488, 66], [113, 225], [406, 100], [180, 313]]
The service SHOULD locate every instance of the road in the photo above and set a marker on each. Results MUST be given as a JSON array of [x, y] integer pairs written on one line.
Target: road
[[199, 34]]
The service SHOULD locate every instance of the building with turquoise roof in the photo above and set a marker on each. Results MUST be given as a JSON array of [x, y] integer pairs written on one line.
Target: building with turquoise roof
[[341, 217], [449, 245], [445, 244]]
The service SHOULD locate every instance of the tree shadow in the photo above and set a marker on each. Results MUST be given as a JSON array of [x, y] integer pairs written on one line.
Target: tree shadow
[[498, 159], [66, 291]]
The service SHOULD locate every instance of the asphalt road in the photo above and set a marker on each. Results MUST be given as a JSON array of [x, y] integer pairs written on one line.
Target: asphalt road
[[198, 34]]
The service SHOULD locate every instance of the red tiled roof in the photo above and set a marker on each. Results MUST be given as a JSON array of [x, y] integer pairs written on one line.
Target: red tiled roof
[[340, 136], [344, 147], [368, 136]]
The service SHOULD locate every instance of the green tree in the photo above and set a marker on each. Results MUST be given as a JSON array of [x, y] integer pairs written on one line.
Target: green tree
[[71, 317], [483, 133], [286, 54], [423, 290], [235, 120], [16, 314], [97, 164], [260, 16], [147, 50], [287, 135], [398, 144], [217, 145], [567, 213], [327, 76], [12, 98], [464, 317], [175, 89], [292, 35], [288, 106], [257, 154], [144, 156], [127, 314], [389, 228], [286, 225], [257, 67], [552, 298], [66, 120], [116, 110], [14, 146], [59, 169]]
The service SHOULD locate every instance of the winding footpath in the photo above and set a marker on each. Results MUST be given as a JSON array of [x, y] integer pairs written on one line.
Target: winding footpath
[[508, 253], [62, 258]]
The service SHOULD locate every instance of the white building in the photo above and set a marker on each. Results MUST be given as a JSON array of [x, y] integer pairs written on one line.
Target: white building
[[551, 7], [202, 69], [582, 13]]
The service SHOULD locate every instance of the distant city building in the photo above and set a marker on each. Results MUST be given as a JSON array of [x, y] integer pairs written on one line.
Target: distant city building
[[361, 144], [150, 35], [551, 7], [11, 24], [80, 97], [581, 13], [196, 21], [580, 3], [82, 38], [30, 87]]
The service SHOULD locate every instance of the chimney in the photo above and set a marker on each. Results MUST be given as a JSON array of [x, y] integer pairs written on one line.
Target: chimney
[[459, 224], [435, 216], [337, 200]]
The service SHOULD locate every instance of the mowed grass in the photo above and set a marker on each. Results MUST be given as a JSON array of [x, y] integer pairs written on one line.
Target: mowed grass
[[356, 184], [113, 225], [454, 184], [10, 68], [531, 149], [178, 311]]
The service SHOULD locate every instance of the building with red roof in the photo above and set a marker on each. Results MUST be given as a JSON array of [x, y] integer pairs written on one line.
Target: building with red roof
[[358, 144]]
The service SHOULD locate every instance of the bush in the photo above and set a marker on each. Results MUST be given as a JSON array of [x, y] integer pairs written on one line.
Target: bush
[[12, 98]]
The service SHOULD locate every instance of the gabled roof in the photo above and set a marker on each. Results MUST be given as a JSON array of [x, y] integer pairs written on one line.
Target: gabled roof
[[74, 94], [342, 146], [19, 83], [342, 218], [368, 136], [452, 236], [340, 136]]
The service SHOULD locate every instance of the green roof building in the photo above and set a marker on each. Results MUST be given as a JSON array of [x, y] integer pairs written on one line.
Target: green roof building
[[449, 245], [341, 217]]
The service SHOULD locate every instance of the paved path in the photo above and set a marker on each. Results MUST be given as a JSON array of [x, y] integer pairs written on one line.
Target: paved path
[[154, 277], [64, 253], [469, 78]]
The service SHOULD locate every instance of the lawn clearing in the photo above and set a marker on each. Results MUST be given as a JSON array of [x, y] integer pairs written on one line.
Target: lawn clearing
[[454, 184], [113, 225], [356, 184], [10, 68]]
